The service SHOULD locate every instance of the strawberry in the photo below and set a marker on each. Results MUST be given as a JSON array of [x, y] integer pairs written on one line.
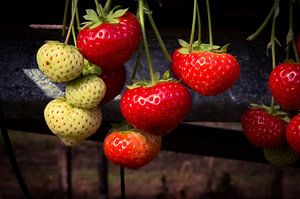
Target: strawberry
[[59, 62], [114, 81], [109, 39], [280, 157], [70, 123], [284, 85], [86, 91], [132, 149], [208, 72], [263, 129], [293, 133], [156, 108]]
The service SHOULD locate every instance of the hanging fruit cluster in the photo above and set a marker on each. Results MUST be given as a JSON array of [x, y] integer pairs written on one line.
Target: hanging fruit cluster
[[270, 127], [151, 108]]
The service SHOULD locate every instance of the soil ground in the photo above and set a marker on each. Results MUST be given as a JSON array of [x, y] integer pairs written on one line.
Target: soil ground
[[170, 175]]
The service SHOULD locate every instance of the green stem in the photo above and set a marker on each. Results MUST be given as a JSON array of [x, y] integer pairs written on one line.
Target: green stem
[[263, 25], [290, 34], [71, 23], [199, 25], [107, 6], [157, 34], [273, 54], [65, 17], [77, 19], [193, 27], [142, 22], [209, 25], [74, 9], [137, 63]]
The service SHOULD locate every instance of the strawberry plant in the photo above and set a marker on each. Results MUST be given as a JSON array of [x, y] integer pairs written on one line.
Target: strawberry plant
[[156, 106], [205, 68], [268, 127], [75, 116]]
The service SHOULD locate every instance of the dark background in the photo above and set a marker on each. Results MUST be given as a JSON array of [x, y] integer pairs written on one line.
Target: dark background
[[230, 13]]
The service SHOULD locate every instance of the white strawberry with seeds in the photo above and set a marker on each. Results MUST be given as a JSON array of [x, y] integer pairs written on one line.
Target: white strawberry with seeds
[[85, 92], [59, 62], [71, 124]]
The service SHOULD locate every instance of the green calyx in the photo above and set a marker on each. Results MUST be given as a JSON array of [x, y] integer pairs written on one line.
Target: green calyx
[[157, 79], [90, 69], [196, 46], [96, 18], [275, 111]]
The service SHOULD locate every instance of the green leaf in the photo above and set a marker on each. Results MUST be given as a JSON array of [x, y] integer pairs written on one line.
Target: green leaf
[[167, 75], [119, 13], [156, 76], [91, 15], [100, 10], [183, 43], [96, 24]]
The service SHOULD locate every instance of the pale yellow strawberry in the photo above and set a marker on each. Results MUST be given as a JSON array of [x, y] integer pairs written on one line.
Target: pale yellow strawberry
[[280, 157], [85, 92], [59, 62], [70, 123]]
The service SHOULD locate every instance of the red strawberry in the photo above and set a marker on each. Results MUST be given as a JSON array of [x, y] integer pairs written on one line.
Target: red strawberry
[[109, 40], [114, 81], [131, 149], [207, 73], [284, 84], [156, 109], [263, 129], [293, 133]]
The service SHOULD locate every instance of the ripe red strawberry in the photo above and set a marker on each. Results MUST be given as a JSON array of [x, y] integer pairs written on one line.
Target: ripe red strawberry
[[114, 81], [207, 73], [263, 129], [131, 149], [156, 109], [109, 39], [284, 84], [293, 133]]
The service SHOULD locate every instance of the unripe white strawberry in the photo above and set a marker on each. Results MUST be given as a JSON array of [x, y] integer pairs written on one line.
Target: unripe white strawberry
[[59, 62], [71, 124], [280, 157], [85, 92]]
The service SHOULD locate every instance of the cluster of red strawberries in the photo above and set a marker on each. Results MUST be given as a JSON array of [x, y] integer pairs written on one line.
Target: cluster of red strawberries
[[151, 108], [273, 130]]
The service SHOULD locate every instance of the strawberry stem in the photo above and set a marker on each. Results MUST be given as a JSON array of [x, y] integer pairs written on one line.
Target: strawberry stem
[[71, 23], [137, 63], [209, 25], [142, 22], [193, 27], [263, 25], [65, 17], [157, 34], [199, 25], [290, 38], [273, 53]]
